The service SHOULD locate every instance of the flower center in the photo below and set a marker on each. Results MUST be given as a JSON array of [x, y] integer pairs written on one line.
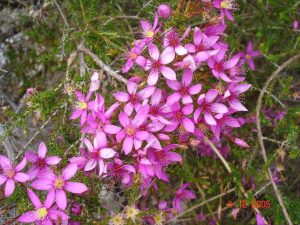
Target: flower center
[[247, 56], [200, 48], [148, 34], [59, 183], [183, 90], [10, 173], [42, 213], [178, 115], [227, 4], [132, 55], [130, 130], [134, 98], [154, 110], [95, 155], [41, 163], [219, 67], [156, 65], [81, 105]]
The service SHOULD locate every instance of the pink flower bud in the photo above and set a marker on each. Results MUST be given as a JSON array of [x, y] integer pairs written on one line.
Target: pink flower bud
[[295, 25], [164, 11], [241, 143]]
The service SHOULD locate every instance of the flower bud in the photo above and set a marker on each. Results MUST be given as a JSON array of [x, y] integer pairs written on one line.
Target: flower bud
[[164, 11]]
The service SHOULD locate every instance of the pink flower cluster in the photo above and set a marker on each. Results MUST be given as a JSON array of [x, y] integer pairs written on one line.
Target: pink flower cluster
[[41, 176], [189, 86]]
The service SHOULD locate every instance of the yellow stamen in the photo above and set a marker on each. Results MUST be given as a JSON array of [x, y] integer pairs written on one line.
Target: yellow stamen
[[81, 105], [247, 56], [42, 213], [59, 183], [148, 34], [10, 173]]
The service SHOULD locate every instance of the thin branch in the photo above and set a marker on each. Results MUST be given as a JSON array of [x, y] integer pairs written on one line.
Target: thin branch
[[218, 154], [102, 65], [61, 13], [260, 136]]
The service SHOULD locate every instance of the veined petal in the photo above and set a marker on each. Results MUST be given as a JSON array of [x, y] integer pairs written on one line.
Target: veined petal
[[153, 77], [153, 51], [42, 150], [69, 171], [107, 153], [61, 199], [127, 145], [168, 73], [167, 55], [53, 160], [209, 119], [75, 187], [9, 187], [21, 177], [121, 96], [34, 198]]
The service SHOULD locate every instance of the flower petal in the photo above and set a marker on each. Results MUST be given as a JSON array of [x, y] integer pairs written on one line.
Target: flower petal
[[209, 119], [127, 145], [9, 187], [69, 171], [34, 198], [42, 150], [188, 125], [53, 160], [21, 177], [107, 153], [21, 165], [42, 184], [111, 129], [167, 55], [121, 96], [168, 73], [61, 199], [195, 89], [211, 95], [31, 156], [28, 217], [153, 77], [75, 187]]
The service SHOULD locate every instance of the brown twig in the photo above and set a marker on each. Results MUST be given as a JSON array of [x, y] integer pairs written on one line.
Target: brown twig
[[102, 65], [260, 136]]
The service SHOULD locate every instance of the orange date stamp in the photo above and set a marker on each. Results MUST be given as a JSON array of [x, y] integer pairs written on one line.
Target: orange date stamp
[[258, 204]]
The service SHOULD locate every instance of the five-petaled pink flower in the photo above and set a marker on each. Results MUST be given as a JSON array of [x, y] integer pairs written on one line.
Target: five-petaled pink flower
[[182, 194], [48, 181], [226, 7], [43, 214], [40, 161], [82, 106], [209, 108], [133, 98], [173, 41], [11, 174], [131, 133], [148, 30], [183, 90], [97, 152], [158, 63], [249, 54]]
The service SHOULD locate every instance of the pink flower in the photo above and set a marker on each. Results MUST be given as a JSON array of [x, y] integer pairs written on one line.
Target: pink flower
[[209, 108], [40, 161], [148, 30], [158, 108], [224, 124], [133, 98], [179, 116], [133, 56], [202, 46], [233, 93], [220, 67], [226, 7], [249, 54], [158, 62], [120, 170], [58, 185], [76, 208], [241, 143], [171, 40], [182, 194], [11, 174], [164, 11], [43, 213], [295, 25], [81, 109], [184, 90], [97, 152], [260, 219], [130, 133]]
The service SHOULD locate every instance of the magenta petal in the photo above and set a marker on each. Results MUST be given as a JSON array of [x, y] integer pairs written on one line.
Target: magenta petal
[[61, 199], [21, 165], [5, 162], [168, 73], [21, 177], [76, 114], [209, 119], [187, 99], [180, 50], [188, 125], [111, 129], [42, 184], [141, 61], [50, 198], [188, 109], [236, 105], [127, 145], [167, 55], [211, 95], [31, 156], [153, 77], [120, 136], [90, 165], [100, 141], [123, 118], [107, 153], [156, 97], [195, 89], [142, 135], [28, 217], [75, 187], [42, 150], [173, 84], [153, 51], [121, 96], [34, 198], [219, 108], [2, 179], [175, 97], [53, 160], [57, 215], [197, 36], [187, 77], [146, 92], [9, 187], [69, 171]]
